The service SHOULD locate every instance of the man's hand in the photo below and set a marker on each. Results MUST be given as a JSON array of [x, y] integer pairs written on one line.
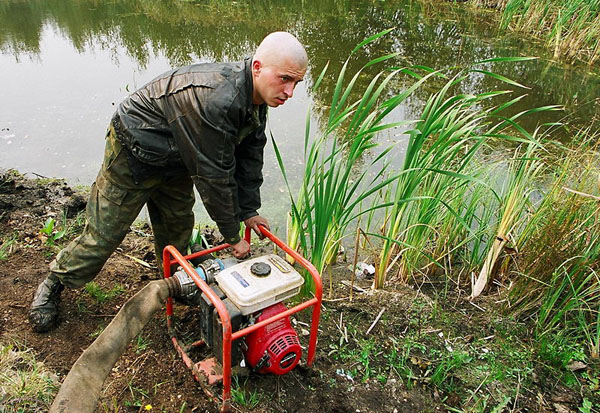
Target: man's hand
[[254, 222], [241, 249]]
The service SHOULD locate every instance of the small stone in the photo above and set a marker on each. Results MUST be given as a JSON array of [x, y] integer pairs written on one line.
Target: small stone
[[577, 365], [559, 408]]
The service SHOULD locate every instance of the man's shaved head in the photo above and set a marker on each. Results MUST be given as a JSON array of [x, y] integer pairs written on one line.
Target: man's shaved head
[[279, 46], [278, 65]]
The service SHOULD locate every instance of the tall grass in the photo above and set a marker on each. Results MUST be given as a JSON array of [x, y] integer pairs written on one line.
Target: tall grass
[[556, 280], [333, 186], [431, 204], [448, 206], [432, 185], [523, 172], [571, 28]]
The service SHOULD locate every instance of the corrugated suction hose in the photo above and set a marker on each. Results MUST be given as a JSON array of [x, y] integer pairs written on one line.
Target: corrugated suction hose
[[81, 388]]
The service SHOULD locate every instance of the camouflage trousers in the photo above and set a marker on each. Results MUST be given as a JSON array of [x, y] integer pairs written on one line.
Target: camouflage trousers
[[114, 203]]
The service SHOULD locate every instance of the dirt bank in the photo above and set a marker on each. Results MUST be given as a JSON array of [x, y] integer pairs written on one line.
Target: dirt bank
[[392, 365]]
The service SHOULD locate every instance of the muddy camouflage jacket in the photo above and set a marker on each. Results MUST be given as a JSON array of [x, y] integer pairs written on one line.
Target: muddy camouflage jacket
[[200, 118]]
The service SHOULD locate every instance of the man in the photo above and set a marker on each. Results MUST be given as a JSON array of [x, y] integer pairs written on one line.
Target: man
[[201, 124]]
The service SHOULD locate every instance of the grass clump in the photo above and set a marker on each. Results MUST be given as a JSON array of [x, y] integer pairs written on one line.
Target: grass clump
[[557, 280], [101, 295], [141, 344], [26, 385], [436, 175], [431, 187], [332, 188], [6, 246], [245, 397], [570, 28]]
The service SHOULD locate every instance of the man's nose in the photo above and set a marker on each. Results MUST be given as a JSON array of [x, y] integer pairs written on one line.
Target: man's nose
[[289, 90]]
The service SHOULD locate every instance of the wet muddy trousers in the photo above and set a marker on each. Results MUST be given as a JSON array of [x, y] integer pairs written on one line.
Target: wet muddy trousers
[[80, 391], [114, 203]]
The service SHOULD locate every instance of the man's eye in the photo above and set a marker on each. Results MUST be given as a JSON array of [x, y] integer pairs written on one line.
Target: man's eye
[[285, 78]]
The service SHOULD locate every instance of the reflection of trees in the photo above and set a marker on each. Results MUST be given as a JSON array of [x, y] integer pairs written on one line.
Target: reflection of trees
[[222, 30], [20, 28]]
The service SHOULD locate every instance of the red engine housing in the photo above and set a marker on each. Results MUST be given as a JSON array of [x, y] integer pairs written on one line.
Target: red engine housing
[[274, 348]]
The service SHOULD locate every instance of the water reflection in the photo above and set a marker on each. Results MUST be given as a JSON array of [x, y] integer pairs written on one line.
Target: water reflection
[[64, 63], [219, 30]]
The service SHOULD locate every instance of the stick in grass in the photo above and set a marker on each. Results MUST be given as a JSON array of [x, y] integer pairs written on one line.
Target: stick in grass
[[376, 320], [356, 246]]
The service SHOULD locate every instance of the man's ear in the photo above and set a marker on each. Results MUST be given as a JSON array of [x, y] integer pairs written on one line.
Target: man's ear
[[256, 66]]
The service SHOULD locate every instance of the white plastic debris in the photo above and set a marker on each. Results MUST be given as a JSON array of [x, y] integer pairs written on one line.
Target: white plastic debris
[[364, 270], [342, 373]]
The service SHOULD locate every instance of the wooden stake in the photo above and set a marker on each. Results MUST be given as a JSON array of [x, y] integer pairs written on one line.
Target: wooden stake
[[330, 281], [353, 287], [376, 320], [356, 246]]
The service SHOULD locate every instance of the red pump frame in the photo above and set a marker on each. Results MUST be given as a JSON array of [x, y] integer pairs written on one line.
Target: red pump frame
[[172, 256]]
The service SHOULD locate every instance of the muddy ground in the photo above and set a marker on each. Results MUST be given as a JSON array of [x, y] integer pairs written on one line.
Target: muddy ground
[[355, 370]]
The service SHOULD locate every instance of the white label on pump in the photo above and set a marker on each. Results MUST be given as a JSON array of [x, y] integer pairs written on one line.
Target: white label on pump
[[239, 279]]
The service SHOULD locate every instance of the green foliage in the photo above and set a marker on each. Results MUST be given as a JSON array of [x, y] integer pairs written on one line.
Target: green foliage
[[364, 358], [6, 246], [138, 395], [67, 228], [432, 185], [508, 361], [198, 237], [94, 334], [443, 374], [26, 385], [586, 406], [523, 171], [557, 282], [571, 28], [560, 349], [141, 344], [332, 189], [244, 397], [481, 405], [49, 231], [101, 295], [398, 359]]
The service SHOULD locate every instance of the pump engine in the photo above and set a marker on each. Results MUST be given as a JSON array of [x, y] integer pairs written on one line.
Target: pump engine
[[252, 291]]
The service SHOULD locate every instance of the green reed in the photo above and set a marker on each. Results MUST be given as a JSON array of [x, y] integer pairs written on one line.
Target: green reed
[[523, 171], [451, 131], [571, 28], [332, 188], [556, 276]]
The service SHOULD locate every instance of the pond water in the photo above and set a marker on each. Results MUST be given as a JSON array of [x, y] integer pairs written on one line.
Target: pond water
[[66, 64]]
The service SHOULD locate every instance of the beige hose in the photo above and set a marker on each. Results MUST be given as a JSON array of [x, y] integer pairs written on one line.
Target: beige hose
[[80, 391]]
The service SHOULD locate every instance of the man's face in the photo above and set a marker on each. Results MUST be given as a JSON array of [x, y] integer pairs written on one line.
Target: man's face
[[274, 83]]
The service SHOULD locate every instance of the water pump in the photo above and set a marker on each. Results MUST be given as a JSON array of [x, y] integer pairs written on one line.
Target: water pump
[[242, 315], [274, 348], [252, 291]]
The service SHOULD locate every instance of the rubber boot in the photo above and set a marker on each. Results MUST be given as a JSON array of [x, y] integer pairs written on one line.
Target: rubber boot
[[44, 307]]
